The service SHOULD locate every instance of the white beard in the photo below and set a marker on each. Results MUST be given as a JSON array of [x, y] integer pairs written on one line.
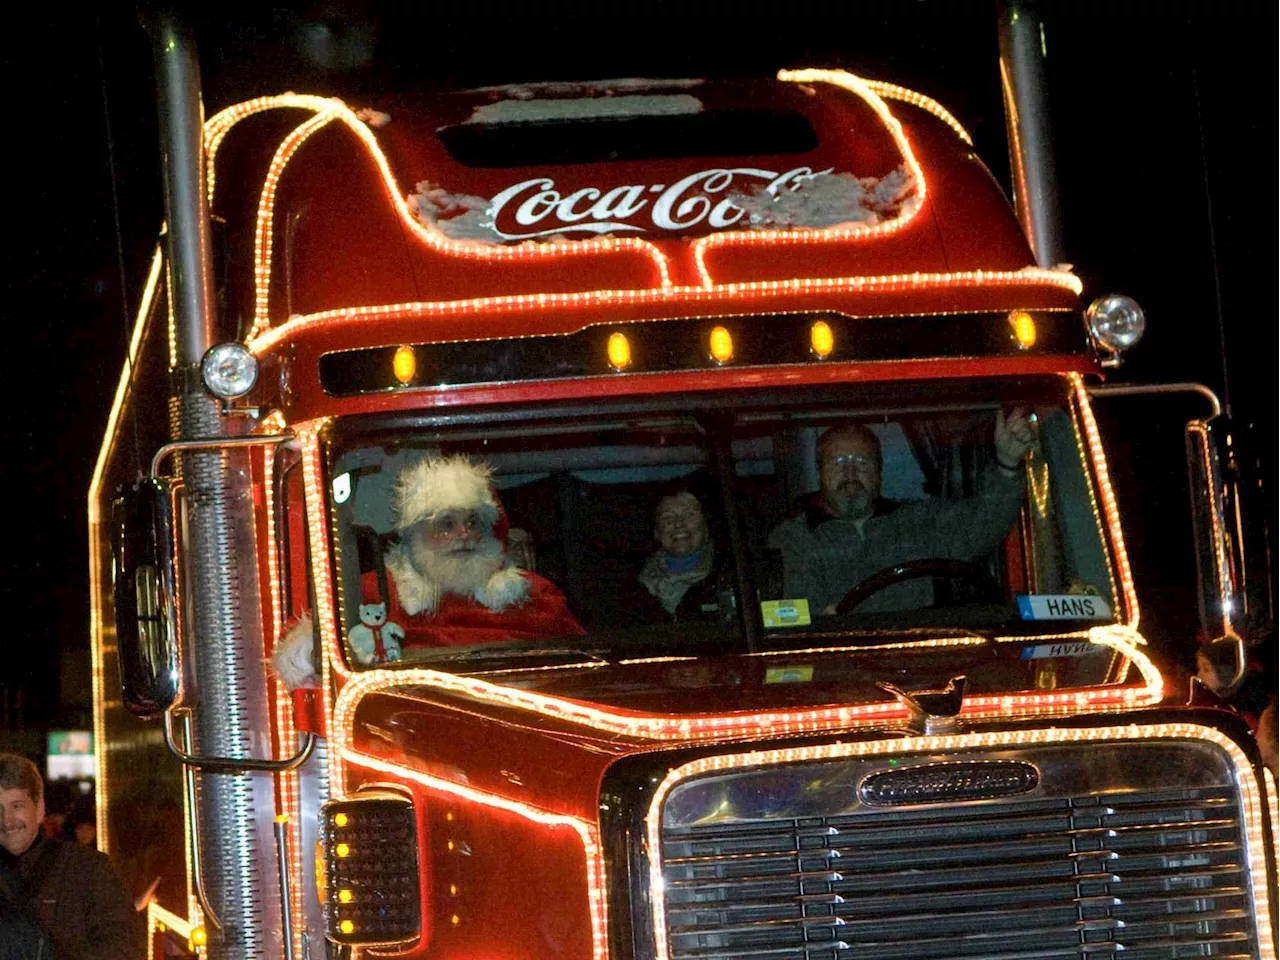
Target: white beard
[[460, 571], [424, 575]]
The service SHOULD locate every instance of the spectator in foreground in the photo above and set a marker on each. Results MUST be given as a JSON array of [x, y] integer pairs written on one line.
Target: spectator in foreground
[[71, 891]]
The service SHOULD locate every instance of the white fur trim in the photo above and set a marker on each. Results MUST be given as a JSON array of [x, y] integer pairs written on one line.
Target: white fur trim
[[291, 659], [508, 587], [416, 593], [444, 483]]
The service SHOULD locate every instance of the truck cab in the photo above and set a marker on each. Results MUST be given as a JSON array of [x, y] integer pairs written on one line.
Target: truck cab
[[801, 698]]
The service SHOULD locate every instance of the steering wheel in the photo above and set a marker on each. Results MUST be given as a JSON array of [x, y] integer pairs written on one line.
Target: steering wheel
[[975, 574]]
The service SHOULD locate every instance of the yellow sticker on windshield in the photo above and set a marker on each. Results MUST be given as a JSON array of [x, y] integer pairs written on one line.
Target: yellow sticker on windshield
[[802, 674], [785, 613]]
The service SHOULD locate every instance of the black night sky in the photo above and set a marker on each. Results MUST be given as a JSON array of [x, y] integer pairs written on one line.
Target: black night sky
[[1164, 117]]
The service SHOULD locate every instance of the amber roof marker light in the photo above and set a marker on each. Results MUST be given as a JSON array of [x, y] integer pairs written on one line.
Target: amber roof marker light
[[404, 365], [1024, 329], [720, 345], [619, 352], [822, 340]]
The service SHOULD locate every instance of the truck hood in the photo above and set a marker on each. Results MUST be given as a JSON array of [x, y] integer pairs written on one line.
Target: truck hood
[[550, 732]]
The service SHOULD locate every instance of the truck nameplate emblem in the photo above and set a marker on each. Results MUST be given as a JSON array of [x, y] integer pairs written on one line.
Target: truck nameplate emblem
[[948, 782]]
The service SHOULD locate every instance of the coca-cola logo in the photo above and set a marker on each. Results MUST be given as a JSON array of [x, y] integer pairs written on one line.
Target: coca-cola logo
[[739, 197], [535, 208]]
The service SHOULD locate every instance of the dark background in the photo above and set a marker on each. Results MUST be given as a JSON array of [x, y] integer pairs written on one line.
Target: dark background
[[1164, 117]]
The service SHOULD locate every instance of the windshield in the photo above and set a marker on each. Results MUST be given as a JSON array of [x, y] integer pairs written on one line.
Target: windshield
[[854, 516]]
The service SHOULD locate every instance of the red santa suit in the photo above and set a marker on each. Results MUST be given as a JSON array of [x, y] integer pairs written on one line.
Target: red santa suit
[[513, 604]]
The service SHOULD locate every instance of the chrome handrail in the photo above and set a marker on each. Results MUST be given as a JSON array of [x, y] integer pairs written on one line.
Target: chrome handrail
[[235, 764]]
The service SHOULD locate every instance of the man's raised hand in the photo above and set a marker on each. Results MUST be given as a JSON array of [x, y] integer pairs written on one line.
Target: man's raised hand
[[1014, 437]]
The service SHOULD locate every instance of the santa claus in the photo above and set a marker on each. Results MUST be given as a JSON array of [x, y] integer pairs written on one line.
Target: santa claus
[[449, 580]]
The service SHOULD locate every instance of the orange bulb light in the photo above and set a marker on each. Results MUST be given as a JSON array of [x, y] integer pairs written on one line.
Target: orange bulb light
[[821, 339], [199, 936], [342, 850], [346, 926], [405, 364], [1024, 328], [619, 352], [344, 896], [720, 344]]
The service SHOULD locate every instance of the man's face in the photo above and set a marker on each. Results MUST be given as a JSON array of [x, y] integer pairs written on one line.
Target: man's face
[[20, 818], [454, 531], [456, 549], [680, 526], [849, 472]]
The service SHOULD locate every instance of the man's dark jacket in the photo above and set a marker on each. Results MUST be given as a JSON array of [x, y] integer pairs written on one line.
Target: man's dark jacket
[[78, 898]]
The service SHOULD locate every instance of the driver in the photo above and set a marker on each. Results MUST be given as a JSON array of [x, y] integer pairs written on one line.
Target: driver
[[847, 532], [450, 581]]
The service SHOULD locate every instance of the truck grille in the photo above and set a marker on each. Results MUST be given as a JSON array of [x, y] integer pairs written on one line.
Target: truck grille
[[1137, 875]]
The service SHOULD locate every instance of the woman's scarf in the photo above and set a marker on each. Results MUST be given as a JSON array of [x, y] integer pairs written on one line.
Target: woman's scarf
[[669, 578]]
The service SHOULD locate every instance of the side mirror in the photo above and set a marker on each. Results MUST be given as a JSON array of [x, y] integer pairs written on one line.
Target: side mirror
[[145, 591], [1233, 575]]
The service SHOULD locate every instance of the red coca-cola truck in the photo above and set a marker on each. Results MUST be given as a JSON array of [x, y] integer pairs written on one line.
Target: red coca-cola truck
[[782, 418]]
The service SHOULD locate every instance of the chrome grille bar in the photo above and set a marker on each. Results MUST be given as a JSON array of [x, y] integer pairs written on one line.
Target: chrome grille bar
[[1121, 874]]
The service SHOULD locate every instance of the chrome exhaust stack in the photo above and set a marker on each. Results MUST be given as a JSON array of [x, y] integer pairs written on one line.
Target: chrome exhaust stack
[[225, 682], [1026, 109]]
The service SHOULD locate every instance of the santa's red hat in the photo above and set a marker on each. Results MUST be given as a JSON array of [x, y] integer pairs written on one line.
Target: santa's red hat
[[436, 484]]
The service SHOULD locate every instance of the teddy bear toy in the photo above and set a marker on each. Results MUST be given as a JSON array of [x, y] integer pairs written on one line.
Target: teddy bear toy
[[375, 639]]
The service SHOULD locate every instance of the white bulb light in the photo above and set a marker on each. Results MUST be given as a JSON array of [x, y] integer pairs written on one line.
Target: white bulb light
[[229, 370], [1116, 322]]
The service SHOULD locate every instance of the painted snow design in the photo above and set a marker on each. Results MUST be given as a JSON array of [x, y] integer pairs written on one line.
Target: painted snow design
[[589, 88], [585, 108], [740, 198], [459, 217], [373, 118], [835, 200]]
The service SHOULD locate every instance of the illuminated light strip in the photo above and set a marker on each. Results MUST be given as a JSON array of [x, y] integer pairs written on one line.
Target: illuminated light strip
[[219, 125], [1108, 499], [96, 613], [325, 617], [172, 321], [263, 228], [1039, 486], [892, 91], [588, 832], [287, 733], [158, 915], [900, 645], [912, 206], [859, 87], [556, 667], [1270, 780], [1250, 794], [705, 727], [515, 303], [429, 234], [1098, 518]]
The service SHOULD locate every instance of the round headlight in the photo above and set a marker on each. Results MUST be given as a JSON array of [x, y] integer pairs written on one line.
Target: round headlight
[[1116, 322], [229, 370]]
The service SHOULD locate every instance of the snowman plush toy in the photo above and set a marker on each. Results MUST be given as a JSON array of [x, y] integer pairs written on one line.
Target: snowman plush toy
[[375, 639]]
